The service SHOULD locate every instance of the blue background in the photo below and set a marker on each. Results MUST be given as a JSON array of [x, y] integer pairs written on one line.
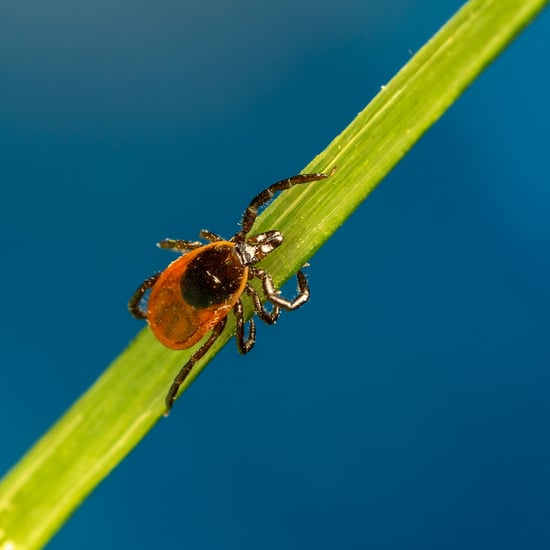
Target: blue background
[[418, 411]]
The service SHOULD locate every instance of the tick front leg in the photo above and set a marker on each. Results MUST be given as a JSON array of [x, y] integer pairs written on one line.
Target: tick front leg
[[134, 305], [186, 369], [250, 214]]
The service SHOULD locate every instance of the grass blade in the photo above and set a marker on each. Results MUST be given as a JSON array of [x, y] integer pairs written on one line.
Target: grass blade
[[40, 493]]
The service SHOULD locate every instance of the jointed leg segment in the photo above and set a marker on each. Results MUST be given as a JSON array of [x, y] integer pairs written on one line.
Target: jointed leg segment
[[272, 294], [134, 305], [269, 317], [179, 245], [250, 214], [244, 345], [186, 369]]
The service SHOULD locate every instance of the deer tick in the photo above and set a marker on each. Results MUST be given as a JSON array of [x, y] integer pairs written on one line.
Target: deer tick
[[197, 291]]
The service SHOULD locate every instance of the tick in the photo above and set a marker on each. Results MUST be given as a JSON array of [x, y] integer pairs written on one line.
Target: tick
[[196, 292]]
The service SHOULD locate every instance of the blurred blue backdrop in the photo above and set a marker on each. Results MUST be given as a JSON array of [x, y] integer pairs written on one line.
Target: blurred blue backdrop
[[425, 422]]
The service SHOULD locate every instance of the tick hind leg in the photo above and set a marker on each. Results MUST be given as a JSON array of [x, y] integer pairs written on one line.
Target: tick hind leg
[[273, 295], [134, 305], [186, 369]]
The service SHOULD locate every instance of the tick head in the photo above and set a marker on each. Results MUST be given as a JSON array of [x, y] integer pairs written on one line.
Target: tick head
[[257, 247]]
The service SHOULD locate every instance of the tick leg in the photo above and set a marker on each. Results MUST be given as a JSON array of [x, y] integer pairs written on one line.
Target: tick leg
[[134, 305], [244, 345], [209, 236], [250, 214], [179, 245], [186, 369], [273, 295], [269, 317]]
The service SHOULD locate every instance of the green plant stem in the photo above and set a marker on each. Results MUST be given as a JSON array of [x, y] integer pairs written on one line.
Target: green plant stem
[[105, 424]]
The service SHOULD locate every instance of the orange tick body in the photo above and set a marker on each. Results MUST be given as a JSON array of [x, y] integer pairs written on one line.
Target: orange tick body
[[196, 292]]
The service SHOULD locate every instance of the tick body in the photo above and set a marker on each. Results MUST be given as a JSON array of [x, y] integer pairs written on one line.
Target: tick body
[[195, 293]]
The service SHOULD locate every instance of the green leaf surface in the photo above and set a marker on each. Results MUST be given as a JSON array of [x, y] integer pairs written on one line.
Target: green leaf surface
[[106, 423]]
